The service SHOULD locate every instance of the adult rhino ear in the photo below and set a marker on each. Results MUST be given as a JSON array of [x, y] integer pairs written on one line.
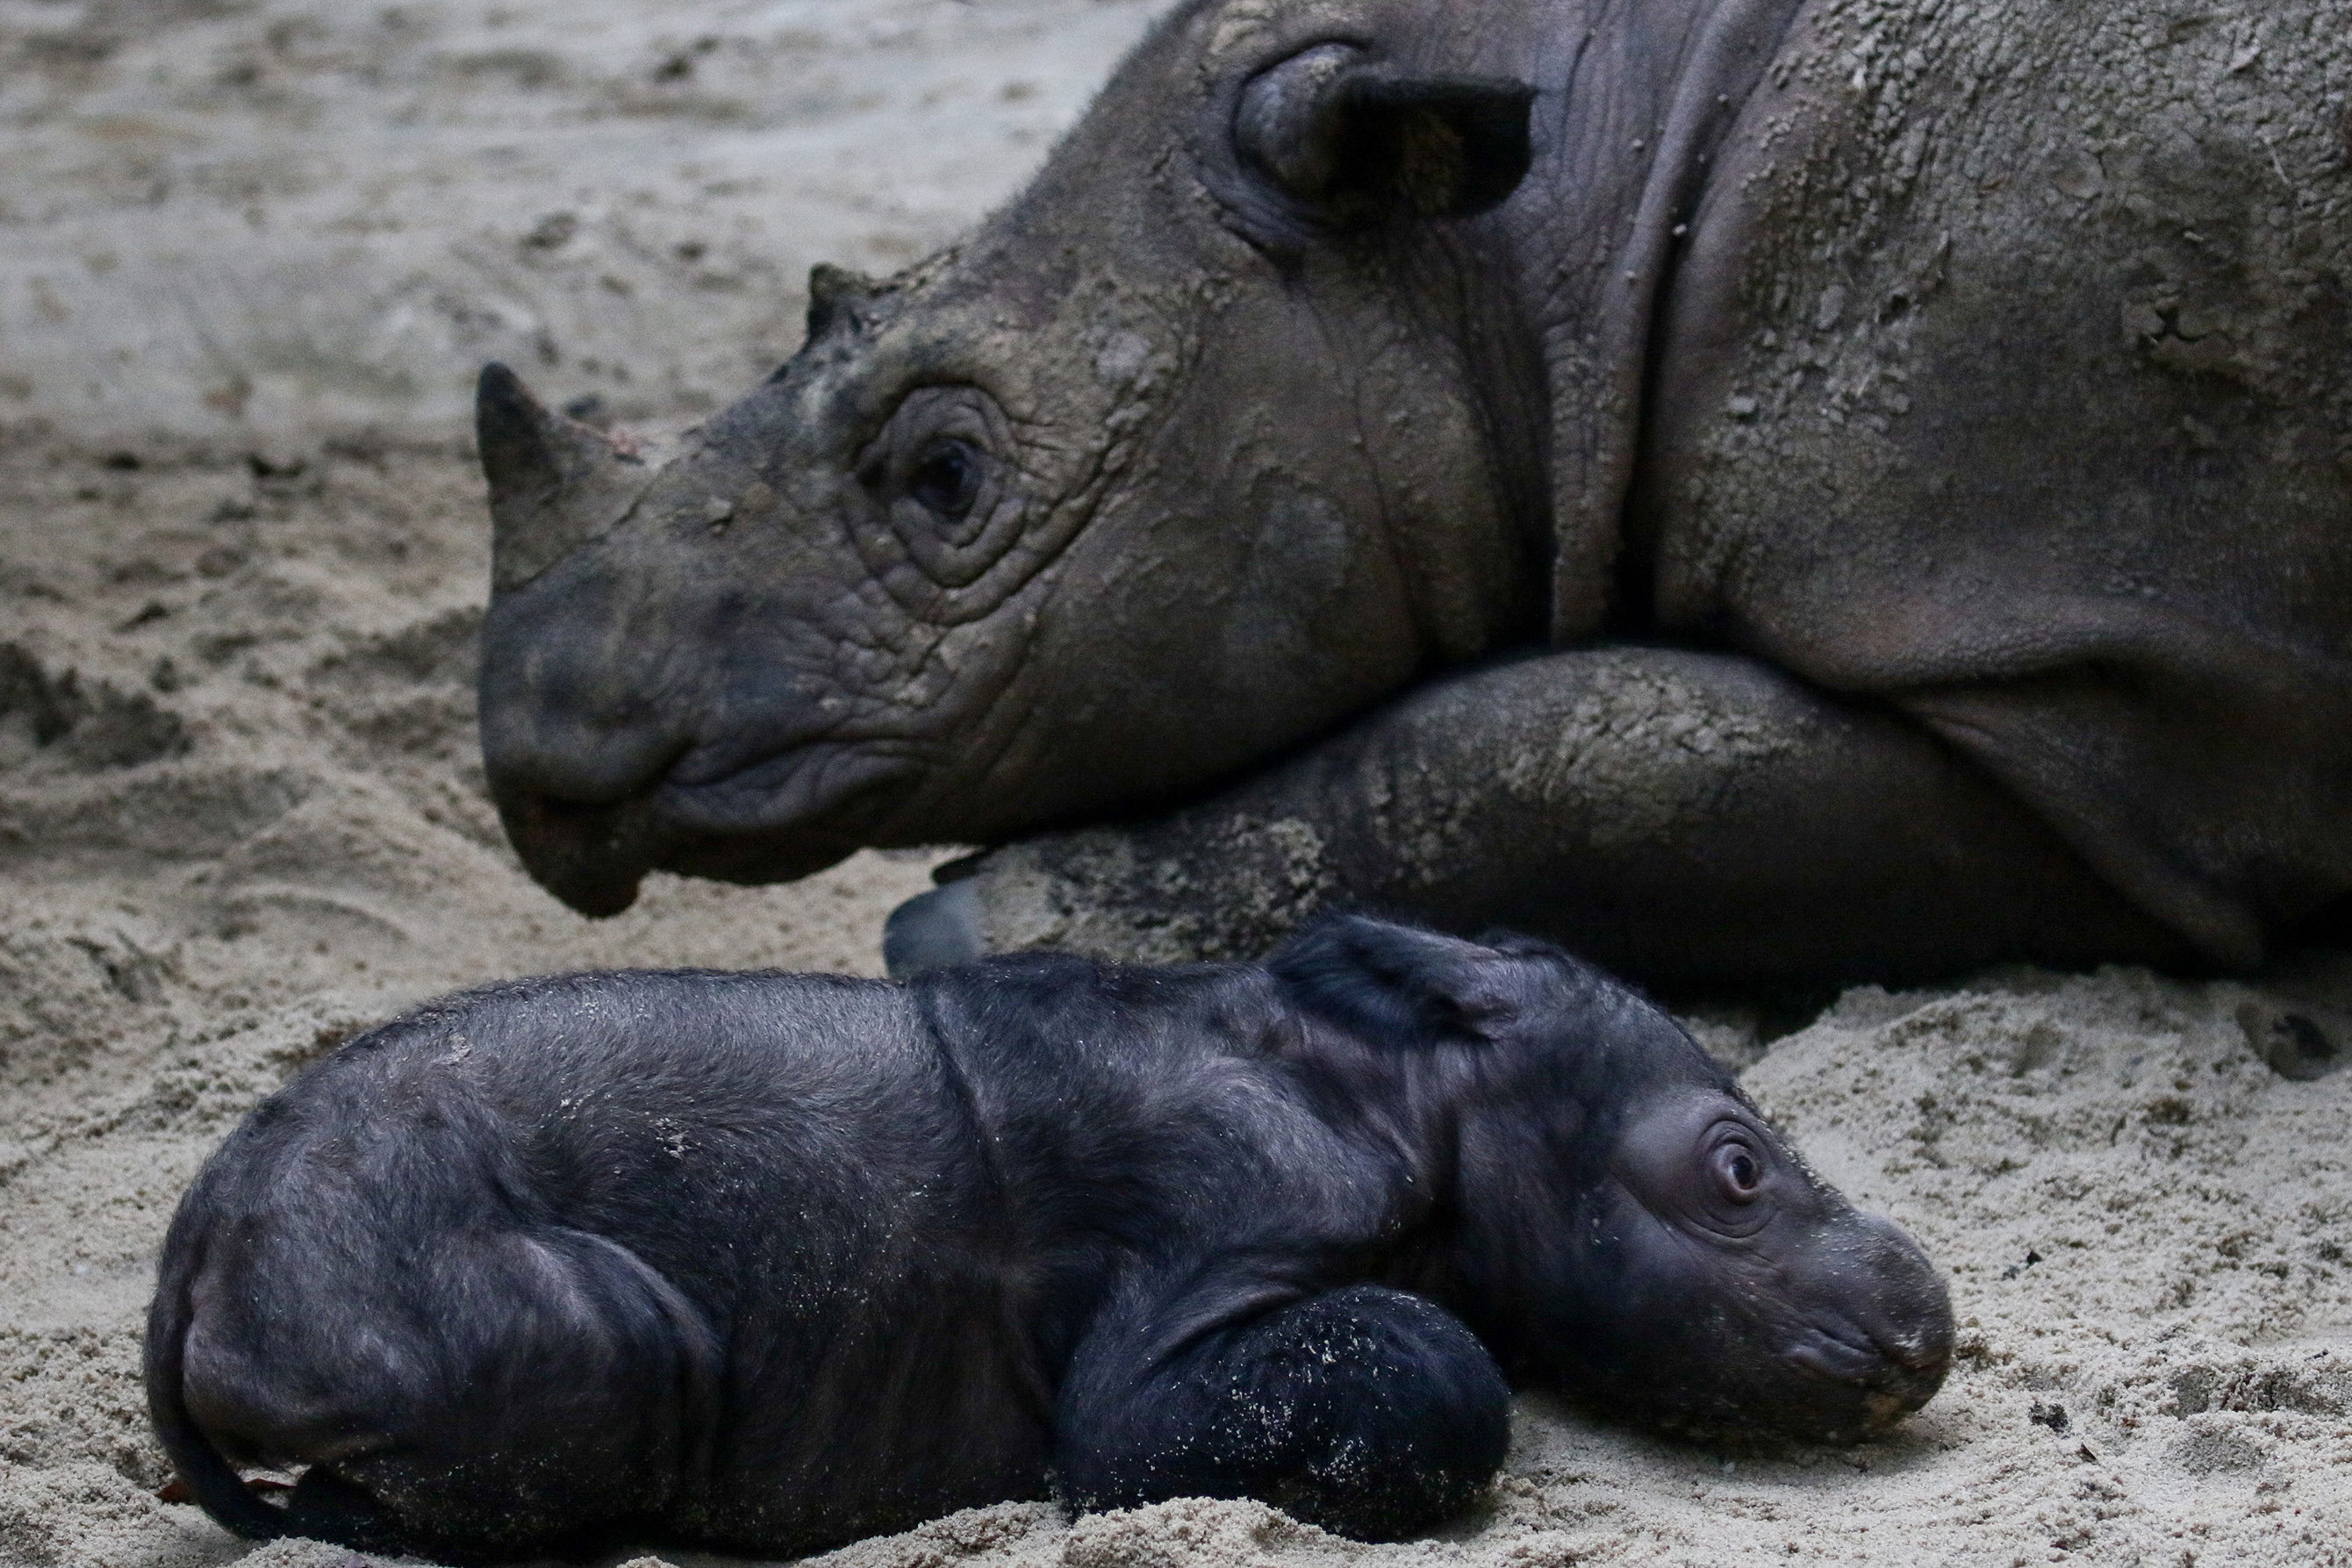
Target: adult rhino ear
[[1349, 145], [1398, 983]]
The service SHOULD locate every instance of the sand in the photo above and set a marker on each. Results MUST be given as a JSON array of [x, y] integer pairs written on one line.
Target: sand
[[250, 255]]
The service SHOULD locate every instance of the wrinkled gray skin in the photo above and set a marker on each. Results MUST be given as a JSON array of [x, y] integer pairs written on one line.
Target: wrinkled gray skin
[[1757, 491]]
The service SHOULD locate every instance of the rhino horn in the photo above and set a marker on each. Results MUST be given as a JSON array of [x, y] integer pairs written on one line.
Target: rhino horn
[[834, 295], [555, 484]]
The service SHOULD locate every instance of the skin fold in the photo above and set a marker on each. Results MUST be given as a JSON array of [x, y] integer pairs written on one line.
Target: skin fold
[[767, 1262], [1766, 491]]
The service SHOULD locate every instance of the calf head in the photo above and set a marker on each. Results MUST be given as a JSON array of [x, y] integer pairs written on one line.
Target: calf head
[[1630, 1231], [1188, 454]]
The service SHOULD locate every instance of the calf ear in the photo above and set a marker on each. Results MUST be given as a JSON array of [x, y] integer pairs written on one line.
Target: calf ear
[[1396, 983], [1349, 145]]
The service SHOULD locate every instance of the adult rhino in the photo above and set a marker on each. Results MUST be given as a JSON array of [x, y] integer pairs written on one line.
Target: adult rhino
[[1752, 489]]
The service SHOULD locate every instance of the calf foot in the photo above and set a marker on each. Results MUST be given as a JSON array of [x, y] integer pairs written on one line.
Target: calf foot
[[1368, 1411]]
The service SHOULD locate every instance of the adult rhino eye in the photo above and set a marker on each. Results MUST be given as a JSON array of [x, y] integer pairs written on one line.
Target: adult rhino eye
[[946, 479]]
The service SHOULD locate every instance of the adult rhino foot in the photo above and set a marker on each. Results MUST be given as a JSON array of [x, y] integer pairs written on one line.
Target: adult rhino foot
[[1177, 892]]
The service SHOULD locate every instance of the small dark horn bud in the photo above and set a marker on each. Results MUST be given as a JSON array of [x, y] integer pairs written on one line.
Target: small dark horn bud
[[834, 292], [555, 484]]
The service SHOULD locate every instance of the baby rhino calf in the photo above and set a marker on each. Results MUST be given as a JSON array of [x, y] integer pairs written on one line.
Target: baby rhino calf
[[770, 1261]]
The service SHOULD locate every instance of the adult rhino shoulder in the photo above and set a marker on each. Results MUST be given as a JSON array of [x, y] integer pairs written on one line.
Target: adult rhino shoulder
[[1757, 490]]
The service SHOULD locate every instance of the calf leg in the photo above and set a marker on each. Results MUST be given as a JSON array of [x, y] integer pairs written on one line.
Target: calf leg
[[492, 1395], [1368, 1411], [1690, 819]]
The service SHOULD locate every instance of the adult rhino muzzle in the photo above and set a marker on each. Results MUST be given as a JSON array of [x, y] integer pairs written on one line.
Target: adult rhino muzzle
[[556, 485], [613, 747]]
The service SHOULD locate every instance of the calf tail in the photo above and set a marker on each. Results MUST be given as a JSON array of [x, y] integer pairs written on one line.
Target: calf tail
[[219, 1490], [321, 1507], [550, 1383]]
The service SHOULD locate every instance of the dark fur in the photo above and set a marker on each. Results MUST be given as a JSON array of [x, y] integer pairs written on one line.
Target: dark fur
[[770, 1261]]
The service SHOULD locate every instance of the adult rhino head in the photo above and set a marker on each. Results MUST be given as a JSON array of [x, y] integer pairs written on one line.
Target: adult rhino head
[[1221, 432]]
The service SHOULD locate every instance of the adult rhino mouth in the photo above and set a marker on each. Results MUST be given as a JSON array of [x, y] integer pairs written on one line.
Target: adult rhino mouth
[[774, 820], [589, 856]]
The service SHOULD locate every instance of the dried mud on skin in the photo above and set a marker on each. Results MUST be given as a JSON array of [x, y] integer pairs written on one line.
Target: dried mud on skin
[[241, 812]]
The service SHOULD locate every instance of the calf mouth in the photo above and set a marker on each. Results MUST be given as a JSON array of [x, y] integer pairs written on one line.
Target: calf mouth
[[1868, 1382]]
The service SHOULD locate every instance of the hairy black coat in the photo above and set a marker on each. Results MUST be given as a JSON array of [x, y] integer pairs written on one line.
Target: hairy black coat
[[773, 1261]]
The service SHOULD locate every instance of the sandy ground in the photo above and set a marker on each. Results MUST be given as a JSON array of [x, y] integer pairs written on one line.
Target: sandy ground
[[250, 255]]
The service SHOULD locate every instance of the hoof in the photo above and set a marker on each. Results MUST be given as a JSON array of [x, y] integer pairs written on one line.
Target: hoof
[[932, 930]]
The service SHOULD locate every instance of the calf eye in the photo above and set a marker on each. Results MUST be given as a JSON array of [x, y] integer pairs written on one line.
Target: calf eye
[[946, 479], [1738, 1172]]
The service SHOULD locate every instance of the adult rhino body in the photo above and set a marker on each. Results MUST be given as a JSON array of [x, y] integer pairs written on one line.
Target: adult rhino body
[[1756, 490]]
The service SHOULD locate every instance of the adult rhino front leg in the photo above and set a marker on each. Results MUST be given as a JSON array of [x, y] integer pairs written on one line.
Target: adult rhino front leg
[[1690, 819]]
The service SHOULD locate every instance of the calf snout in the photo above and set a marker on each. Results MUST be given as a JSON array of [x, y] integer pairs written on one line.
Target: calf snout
[[1877, 1328]]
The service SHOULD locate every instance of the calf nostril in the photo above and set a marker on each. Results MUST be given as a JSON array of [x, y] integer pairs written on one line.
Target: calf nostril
[[1915, 1347]]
